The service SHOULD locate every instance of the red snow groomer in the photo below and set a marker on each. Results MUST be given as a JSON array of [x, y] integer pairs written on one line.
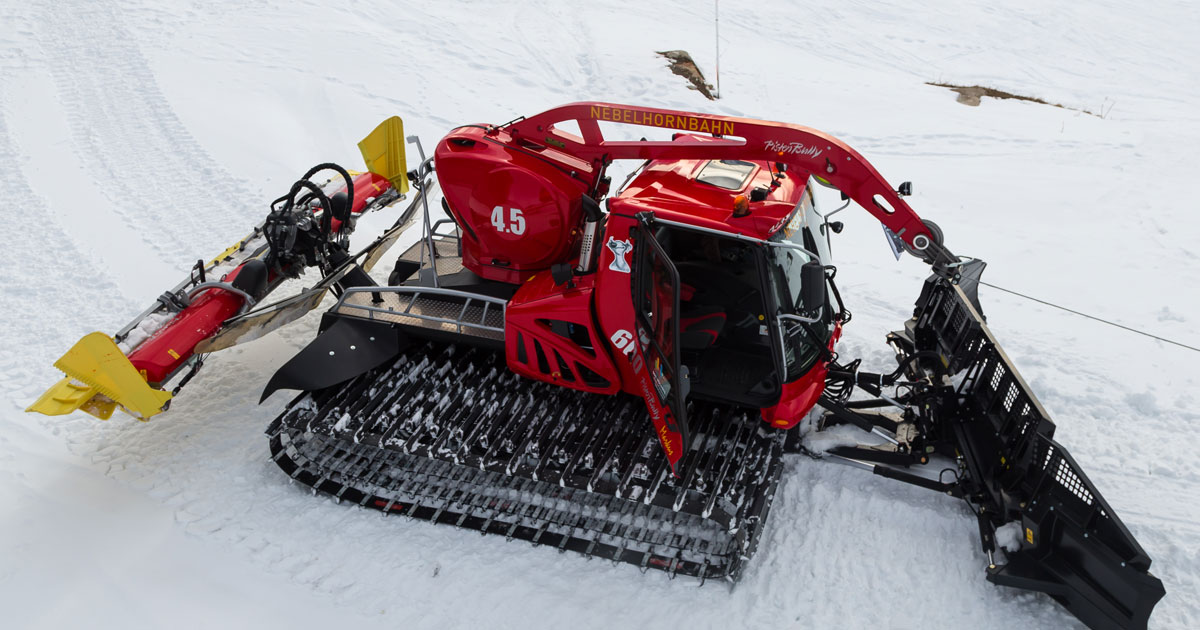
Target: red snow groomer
[[621, 374]]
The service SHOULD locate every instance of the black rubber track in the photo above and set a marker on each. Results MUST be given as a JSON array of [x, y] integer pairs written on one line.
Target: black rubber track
[[601, 488]]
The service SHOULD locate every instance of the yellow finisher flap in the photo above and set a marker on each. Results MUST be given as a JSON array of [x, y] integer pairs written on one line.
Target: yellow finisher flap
[[99, 377], [67, 396], [383, 151]]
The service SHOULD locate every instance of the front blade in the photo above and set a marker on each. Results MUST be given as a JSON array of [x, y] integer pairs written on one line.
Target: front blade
[[1075, 549], [1073, 545]]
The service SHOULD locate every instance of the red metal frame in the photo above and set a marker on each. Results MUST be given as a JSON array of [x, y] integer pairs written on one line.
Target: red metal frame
[[803, 149], [540, 169]]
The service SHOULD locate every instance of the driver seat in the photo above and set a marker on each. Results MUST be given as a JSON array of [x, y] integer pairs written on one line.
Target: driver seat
[[699, 327]]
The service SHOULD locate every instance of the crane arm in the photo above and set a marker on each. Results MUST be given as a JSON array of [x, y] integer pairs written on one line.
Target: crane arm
[[801, 148]]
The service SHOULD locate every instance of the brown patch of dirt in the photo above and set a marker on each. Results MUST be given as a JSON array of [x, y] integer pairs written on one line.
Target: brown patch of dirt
[[683, 65], [972, 94]]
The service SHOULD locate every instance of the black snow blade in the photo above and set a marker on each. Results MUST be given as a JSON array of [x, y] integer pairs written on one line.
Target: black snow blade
[[1076, 550], [1073, 546]]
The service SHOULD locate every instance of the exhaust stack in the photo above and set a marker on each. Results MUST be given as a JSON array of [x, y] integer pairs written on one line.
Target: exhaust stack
[[591, 223]]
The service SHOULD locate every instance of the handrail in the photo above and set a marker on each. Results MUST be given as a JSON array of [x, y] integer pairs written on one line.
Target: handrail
[[416, 292]]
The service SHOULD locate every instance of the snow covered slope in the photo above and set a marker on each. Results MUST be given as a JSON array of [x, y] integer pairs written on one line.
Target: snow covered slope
[[136, 138]]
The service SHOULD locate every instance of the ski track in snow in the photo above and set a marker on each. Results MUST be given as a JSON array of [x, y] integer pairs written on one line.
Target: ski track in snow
[[43, 301], [157, 178], [171, 127]]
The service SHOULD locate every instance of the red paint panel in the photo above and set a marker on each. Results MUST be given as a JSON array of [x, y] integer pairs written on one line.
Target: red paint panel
[[538, 301], [520, 204], [800, 396]]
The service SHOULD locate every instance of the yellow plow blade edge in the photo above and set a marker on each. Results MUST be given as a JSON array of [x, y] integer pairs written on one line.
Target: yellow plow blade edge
[[99, 377], [383, 151]]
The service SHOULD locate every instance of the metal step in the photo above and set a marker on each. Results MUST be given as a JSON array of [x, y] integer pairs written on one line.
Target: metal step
[[430, 308], [448, 258]]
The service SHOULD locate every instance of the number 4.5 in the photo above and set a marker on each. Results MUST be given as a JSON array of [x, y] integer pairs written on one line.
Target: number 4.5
[[515, 223]]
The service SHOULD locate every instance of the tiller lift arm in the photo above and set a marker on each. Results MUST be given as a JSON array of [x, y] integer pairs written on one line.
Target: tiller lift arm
[[219, 304]]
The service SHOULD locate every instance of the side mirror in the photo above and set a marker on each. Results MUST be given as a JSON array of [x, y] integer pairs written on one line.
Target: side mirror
[[812, 289], [905, 189]]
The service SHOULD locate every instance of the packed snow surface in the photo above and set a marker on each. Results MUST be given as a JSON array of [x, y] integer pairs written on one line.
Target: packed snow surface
[[137, 137]]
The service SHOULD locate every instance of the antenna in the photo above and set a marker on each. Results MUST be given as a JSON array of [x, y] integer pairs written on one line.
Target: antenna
[[717, 28]]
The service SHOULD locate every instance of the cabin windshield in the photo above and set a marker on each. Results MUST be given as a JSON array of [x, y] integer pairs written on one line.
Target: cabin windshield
[[801, 343]]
